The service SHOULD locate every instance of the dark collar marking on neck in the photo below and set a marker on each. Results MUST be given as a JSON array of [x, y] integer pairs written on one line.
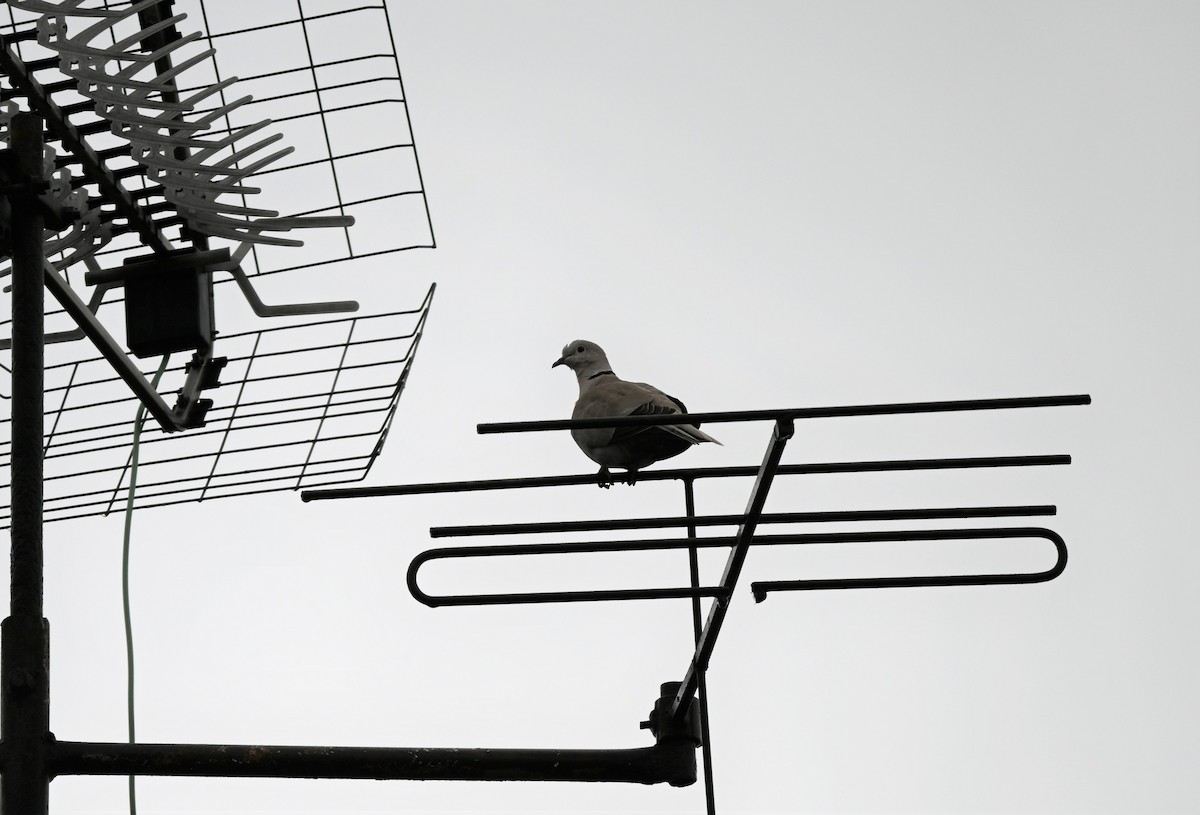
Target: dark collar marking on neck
[[601, 373]]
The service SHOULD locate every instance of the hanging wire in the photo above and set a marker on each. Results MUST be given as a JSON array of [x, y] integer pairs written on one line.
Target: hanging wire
[[129, 663]]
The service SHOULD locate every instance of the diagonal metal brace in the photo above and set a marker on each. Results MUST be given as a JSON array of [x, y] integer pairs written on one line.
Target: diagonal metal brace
[[783, 431], [108, 346]]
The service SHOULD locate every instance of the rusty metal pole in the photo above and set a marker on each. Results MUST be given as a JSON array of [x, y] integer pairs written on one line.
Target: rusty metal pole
[[24, 636]]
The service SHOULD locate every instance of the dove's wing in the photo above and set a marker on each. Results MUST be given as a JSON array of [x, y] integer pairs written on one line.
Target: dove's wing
[[664, 403], [616, 397], [620, 398]]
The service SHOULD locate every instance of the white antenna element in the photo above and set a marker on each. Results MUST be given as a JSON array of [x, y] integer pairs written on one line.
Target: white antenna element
[[148, 113]]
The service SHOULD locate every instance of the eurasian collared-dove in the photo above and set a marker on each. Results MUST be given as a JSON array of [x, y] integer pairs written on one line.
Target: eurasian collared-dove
[[602, 394]]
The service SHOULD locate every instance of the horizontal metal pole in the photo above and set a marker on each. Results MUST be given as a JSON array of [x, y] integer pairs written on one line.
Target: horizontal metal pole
[[533, 597], [672, 761], [729, 520], [510, 598], [894, 408], [762, 588], [521, 598], [668, 544], [157, 265], [819, 468]]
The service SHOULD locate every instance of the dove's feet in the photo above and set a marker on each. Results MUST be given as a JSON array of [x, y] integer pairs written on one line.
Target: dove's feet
[[605, 478]]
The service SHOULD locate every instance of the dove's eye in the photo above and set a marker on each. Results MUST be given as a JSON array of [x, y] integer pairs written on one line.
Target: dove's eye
[[579, 350]]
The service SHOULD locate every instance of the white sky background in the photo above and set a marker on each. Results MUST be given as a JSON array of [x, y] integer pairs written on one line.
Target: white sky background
[[749, 205]]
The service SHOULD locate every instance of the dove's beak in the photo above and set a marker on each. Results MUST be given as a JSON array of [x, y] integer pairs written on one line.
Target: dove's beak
[[559, 361]]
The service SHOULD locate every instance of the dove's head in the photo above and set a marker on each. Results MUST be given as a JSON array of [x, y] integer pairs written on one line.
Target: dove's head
[[582, 356]]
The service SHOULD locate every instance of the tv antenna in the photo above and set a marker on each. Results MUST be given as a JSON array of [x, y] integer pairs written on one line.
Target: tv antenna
[[161, 200], [167, 174], [163, 184], [683, 705]]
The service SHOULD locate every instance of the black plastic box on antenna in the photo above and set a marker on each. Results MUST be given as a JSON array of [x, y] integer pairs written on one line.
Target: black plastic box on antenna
[[168, 300]]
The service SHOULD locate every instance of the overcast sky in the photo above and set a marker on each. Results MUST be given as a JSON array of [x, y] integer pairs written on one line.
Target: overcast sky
[[749, 205]]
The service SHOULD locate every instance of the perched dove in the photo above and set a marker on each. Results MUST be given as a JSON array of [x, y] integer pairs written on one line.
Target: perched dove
[[603, 394]]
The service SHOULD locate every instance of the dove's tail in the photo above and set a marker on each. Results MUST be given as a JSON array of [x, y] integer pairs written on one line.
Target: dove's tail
[[689, 433]]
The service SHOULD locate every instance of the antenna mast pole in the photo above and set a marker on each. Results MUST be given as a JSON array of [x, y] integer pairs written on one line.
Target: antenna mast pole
[[24, 636]]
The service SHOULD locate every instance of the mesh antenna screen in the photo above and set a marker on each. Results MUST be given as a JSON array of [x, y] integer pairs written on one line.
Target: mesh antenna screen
[[231, 133]]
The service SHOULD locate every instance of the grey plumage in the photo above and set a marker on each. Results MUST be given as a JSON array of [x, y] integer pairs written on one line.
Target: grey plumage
[[603, 394]]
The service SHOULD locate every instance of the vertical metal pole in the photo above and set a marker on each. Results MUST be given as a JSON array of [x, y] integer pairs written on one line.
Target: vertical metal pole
[[24, 636], [689, 499]]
